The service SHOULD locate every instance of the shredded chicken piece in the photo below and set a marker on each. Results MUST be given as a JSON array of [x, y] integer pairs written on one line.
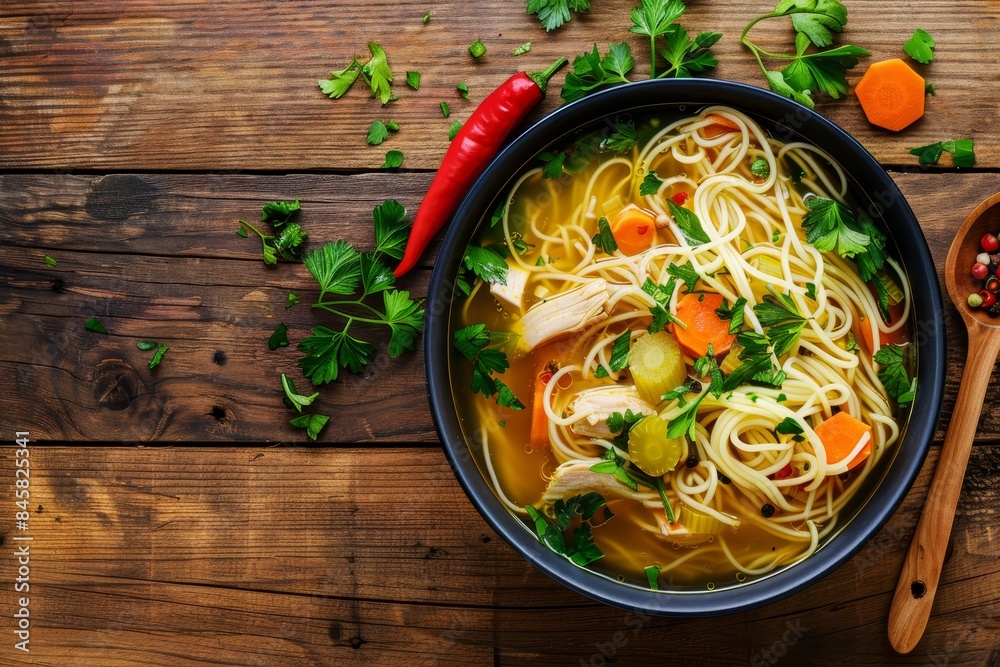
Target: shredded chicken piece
[[565, 313], [599, 403], [575, 477], [513, 291]]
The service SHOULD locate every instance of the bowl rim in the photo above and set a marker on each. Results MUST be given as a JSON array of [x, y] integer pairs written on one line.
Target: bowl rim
[[863, 168]]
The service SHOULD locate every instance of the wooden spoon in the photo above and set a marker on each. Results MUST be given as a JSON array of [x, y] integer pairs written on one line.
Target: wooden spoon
[[918, 582]]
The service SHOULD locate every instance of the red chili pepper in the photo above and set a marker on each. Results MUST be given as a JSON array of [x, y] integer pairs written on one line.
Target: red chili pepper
[[474, 146], [680, 198], [784, 472]]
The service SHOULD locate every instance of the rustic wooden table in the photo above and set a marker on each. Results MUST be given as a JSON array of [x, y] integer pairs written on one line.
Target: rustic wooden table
[[176, 518]]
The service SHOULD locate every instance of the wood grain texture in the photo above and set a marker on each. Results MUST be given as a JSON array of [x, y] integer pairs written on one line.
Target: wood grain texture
[[286, 556], [155, 256], [231, 84]]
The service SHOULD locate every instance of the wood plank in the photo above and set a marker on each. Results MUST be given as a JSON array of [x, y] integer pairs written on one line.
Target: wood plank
[[289, 556], [231, 84], [155, 256]]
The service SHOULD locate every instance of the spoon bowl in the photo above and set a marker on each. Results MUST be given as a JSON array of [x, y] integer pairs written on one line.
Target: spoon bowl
[[918, 581]]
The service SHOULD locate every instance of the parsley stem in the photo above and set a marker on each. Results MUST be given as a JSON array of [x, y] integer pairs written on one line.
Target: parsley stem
[[652, 57], [663, 498], [255, 230], [348, 316]]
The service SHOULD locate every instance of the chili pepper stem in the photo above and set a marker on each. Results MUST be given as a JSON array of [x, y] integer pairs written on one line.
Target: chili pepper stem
[[542, 78]]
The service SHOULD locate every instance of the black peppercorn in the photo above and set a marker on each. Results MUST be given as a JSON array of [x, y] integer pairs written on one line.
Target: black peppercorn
[[692, 461], [724, 479], [994, 310], [767, 511]]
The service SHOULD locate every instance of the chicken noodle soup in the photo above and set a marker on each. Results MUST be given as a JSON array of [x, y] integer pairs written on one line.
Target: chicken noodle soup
[[687, 350]]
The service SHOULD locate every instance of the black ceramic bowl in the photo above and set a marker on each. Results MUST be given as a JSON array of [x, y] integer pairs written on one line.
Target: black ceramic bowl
[[786, 120]]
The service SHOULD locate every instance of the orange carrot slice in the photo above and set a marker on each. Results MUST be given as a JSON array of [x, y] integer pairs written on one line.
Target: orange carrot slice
[[704, 326], [634, 230], [840, 434], [891, 94]]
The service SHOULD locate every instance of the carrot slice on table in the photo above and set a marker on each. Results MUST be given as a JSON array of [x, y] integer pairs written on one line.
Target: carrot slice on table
[[891, 94], [704, 326], [634, 230], [840, 434]]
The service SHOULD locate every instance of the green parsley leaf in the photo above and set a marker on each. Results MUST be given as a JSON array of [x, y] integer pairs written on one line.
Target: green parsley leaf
[[313, 424], [340, 82], [578, 545], [392, 126], [377, 133], [393, 160], [336, 267], [708, 365], [463, 90], [653, 18], [823, 72], [852, 343], [892, 373], [377, 74], [601, 373], [776, 80], [146, 345], [789, 426], [929, 89], [871, 261], [816, 19], [684, 423], [604, 239], [427, 18], [93, 324], [445, 110], [622, 139], [811, 291], [620, 425], [650, 184], [962, 152], [760, 169], [689, 224], [486, 263], [591, 71], [279, 338], [832, 225], [615, 465], [391, 228], [290, 242], [688, 57], [554, 13], [329, 351], [678, 392], [781, 398], [921, 46], [653, 577], [158, 356], [686, 273], [241, 232], [297, 400], [524, 48], [453, 130], [477, 49], [479, 345], [553, 163], [783, 321], [413, 80], [291, 300], [279, 213], [620, 351], [50, 261], [734, 315]]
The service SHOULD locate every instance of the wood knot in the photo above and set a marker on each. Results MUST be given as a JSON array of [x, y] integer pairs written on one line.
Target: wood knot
[[116, 384]]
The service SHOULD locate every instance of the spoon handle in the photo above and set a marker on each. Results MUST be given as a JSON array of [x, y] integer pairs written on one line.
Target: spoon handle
[[918, 581]]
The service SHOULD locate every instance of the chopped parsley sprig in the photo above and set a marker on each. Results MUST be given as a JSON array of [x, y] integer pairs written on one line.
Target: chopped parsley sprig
[[822, 70], [357, 289], [577, 545], [893, 375], [484, 348]]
